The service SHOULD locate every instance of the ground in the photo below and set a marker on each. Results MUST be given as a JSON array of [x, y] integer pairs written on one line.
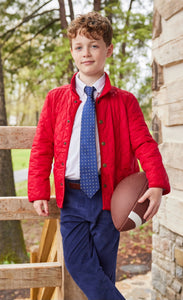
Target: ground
[[134, 249]]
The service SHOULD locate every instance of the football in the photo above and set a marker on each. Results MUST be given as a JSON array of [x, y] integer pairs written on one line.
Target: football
[[126, 212]]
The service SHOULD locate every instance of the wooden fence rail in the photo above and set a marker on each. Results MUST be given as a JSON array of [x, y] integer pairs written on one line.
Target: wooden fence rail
[[16, 137], [19, 208], [21, 276]]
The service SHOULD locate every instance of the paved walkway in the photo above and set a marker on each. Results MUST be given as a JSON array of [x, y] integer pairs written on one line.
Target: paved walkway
[[20, 175], [137, 288]]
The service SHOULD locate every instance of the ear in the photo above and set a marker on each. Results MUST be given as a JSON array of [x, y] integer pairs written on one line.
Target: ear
[[110, 50]]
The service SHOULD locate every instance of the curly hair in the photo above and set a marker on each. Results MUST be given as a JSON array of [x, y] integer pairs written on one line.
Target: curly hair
[[91, 25]]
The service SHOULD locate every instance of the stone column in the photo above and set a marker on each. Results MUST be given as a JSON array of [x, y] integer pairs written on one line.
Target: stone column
[[167, 56]]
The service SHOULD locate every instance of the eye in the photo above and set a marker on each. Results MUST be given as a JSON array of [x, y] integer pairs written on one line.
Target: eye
[[78, 48], [94, 46]]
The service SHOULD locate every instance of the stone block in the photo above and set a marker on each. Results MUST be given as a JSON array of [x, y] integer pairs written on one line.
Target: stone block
[[167, 265], [172, 154], [170, 114], [179, 256], [157, 76], [168, 8], [170, 294], [173, 73], [156, 295], [175, 114], [179, 273], [153, 295], [170, 210], [157, 28], [165, 31], [169, 93], [179, 241], [172, 28], [176, 178], [177, 286], [175, 91], [168, 54], [159, 279], [172, 134], [156, 242], [155, 256], [165, 233], [155, 224]]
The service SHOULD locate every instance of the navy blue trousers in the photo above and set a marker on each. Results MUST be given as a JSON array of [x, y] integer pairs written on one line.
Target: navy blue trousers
[[90, 243]]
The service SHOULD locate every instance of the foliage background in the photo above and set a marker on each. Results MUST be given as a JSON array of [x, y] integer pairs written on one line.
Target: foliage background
[[36, 55]]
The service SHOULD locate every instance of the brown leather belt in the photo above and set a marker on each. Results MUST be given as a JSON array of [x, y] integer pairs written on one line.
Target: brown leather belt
[[74, 185]]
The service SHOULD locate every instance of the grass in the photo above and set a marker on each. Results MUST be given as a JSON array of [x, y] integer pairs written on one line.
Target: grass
[[20, 158], [21, 188]]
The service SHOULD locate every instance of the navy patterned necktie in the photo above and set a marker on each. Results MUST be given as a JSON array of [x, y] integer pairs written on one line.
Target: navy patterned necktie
[[89, 179]]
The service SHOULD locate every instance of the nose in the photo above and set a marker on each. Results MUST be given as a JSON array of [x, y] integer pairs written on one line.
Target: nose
[[86, 52]]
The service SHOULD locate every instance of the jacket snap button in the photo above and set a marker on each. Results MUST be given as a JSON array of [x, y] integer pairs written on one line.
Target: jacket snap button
[[61, 184], [68, 121], [65, 143], [103, 143], [104, 165], [62, 164], [100, 122], [105, 185]]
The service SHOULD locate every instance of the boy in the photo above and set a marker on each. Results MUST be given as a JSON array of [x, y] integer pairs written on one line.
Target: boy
[[91, 157]]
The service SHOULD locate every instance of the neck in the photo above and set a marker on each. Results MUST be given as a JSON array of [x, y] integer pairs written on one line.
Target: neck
[[89, 81]]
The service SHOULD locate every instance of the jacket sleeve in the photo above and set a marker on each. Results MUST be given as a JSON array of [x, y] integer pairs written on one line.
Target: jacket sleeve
[[145, 147], [41, 155]]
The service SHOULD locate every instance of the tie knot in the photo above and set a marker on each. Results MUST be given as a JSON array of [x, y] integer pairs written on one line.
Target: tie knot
[[89, 90]]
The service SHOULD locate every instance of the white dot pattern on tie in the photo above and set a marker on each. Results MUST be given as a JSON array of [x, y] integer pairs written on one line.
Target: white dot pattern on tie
[[88, 158]]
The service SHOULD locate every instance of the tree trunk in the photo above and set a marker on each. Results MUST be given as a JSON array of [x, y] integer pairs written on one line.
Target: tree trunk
[[63, 19], [12, 246], [64, 24], [123, 46], [71, 10], [97, 5]]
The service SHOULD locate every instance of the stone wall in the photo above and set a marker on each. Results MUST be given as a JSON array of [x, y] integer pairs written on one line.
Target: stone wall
[[167, 57]]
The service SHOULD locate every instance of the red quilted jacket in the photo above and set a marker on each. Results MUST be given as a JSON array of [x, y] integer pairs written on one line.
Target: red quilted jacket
[[123, 136]]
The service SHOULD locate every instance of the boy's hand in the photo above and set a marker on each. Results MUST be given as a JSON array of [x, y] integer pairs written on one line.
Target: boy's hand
[[41, 207], [154, 195]]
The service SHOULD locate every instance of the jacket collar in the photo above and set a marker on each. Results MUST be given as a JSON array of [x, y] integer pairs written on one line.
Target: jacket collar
[[106, 89]]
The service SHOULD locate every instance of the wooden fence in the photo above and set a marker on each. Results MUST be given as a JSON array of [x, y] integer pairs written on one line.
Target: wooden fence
[[46, 274]]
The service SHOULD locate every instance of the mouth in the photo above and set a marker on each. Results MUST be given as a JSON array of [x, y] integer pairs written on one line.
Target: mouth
[[88, 62]]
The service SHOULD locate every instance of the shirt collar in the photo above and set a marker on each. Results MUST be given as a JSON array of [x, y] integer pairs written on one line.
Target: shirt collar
[[99, 85]]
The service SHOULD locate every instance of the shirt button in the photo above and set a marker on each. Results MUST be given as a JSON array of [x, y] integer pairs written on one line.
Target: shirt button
[[65, 143], [100, 122], [68, 121], [104, 165], [105, 185], [75, 101], [62, 164], [103, 143], [61, 184]]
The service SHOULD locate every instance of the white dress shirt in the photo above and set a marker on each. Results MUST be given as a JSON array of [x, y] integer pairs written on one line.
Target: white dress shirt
[[73, 159]]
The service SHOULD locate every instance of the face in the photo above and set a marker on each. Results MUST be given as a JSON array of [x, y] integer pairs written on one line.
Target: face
[[90, 56]]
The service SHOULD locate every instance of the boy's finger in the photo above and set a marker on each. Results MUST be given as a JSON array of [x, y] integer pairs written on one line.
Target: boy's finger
[[144, 197], [46, 210], [151, 211], [38, 206]]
